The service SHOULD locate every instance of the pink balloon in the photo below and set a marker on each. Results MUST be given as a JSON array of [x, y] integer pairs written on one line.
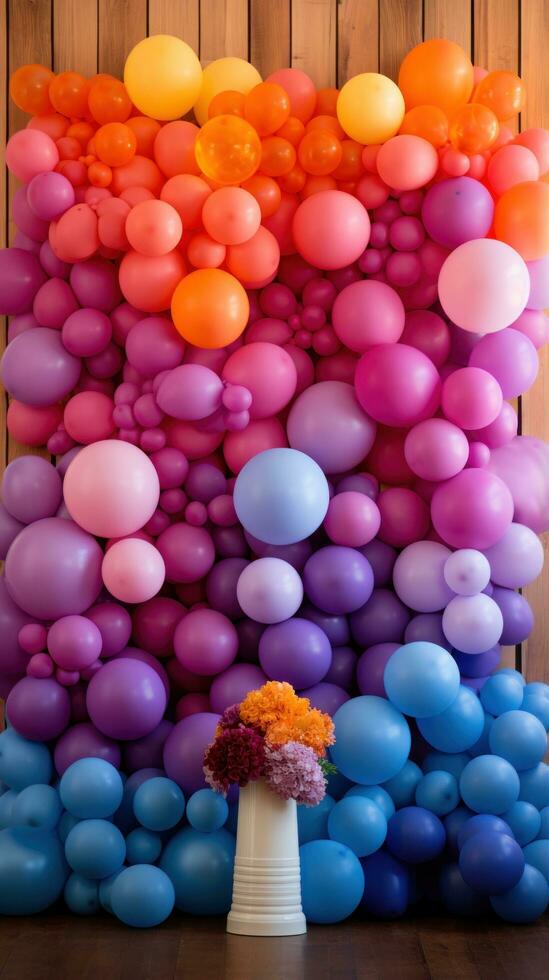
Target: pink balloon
[[331, 229], [483, 285], [368, 313], [133, 570], [195, 443], [231, 215], [471, 397], [352, 520], [397, 385], [436, 449], [190, 391], [153, 227], [30, 152], [74, 237], [509, 166], [404, 517], [406, 162], [523, 464], [472, 510], [268, 372], [260, 434]]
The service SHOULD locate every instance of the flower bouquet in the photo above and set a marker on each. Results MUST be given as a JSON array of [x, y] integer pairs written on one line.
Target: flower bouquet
[[273, 746]]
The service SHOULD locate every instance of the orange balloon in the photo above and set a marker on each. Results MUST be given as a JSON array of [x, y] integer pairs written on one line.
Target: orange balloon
[[327, 123], [326, 102], [267, 107], [428, 121], [436, 72], [81, 131], [108, 100], [29, 89], [320, 152], [350, 166], [69, 94], [149, 281], [294, 181], [473, 129], [174, 148], [227, 103], [139, 172], [115, 144], [54, 124], [313, 185], [266, 192], [503, 92], [228, 149], [204, 253], [293, 130], [135, 195], [187, 194], [210, 308], [69, 148], [522, 219], [99, 174], [255, 262], [278, 156], [145, 130]]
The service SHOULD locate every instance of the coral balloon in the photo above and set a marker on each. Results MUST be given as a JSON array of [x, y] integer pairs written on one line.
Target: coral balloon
[[210, 308], [509, 166], [149, 282], [370, 108], [407, 162], [331, 229], [163, 76], [436, 72], [522, 219], [255, 261], [174, 148], [231, 215], [300, 88], [153, 228]]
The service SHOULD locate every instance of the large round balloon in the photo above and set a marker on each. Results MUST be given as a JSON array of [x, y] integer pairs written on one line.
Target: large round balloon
[[327, 422], [523, 464], [163, 76], [126, 699], [37, 369], [331, 229], [397, 385], [483, 285], [372, 740], [184, 750], [32, 870]]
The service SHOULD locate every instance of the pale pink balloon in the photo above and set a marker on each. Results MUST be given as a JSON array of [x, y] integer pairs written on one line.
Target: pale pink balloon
[[483, 285], [331, 229], [133, 570]]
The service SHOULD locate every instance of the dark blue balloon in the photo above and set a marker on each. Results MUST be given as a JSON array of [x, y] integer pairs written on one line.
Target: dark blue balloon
[[386, 886], [480, 822], [457, 896], [33, 870], [415, 835], [491, 862], [526, 901], [453, 824], [200, 867]]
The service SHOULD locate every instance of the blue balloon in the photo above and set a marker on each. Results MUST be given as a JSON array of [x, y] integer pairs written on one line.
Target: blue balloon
[[33, 870], [457, 896], [438, 792], [415, 835], [386, 886], [537, 705], [142, 896], [537, 687], [501, 692], [512, 673], [489, 784], [143, 846], [524, 820], [421, 679], [7, 801], [95, 848], [534, 785], [537, 854], [544, 827], [207, 811], [231, 822], [281, 496], [105, 888], [200, 867], [332, 881], [82, 895], [482, 745], [457, 728], [453, 824], [402, 787], [372, 740], [359, 823], [337, 784], [159, 804], [65, 825], [491, 863], [480, 823], [22, 762], [526, 901], [91, 788], [37, 806], [378, 795], [453, 762], [518, 737], [312, 821], [124, 818]]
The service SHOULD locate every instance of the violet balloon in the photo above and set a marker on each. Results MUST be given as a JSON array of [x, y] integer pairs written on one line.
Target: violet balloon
[[327, 423], [382, 619], [31, 489], [510, 357], [190, 391], [147, 752], [518, 618], [185, 747], [338, 580], [81, 741], [428, 627], [37, 369], [371, 668], [38, 709], [13, 658], [126, 699], [297, 651], [9, 529], [325, 697], [232, 685]]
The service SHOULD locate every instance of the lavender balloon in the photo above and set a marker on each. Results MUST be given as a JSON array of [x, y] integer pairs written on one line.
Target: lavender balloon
[[517, 558], [185, 747], [37, 369], [456, 210], [338, 580], [418, 576], [510, 357], [21, 276], [371, 668], [467, 571], [126, 699], [233, 685], [31, 489], [190, 391], [473, 623], [81, 741], [269, 590], [38, 709], [296, 651], [326, 697], [13, 659], [327, 423], [539, 284], [523, 464], [427, 627]]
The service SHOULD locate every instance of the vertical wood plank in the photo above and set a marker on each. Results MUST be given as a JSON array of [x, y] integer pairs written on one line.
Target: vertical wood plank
[[178, 17], [400, 28], [75, 36], [358, 35], [122, 23], [223, 29], [450, 19], [535, 414], [314, 40], [269, 35]]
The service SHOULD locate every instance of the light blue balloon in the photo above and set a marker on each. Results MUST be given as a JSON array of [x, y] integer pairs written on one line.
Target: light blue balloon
[[207, 811], [332, 881], [538, 705], [534, 785], [489, 784], [536, 687], [7, 801], [372, 740], [33, 870], [143, 846], [378, 795], [159, 804], [91, 789], [82, 895], [421, 679], [402, 787], [457, 728], [66, 823], [544, 826], [359, 823], [281, 496], [37, 806], [142, 896], [524, 820], [95, 848], [501, 692], [512, 673], [537, 854], [453, 762], [526, 901], [438, 792], [312, 821], [200, 867], [518, 737], [22, 762]]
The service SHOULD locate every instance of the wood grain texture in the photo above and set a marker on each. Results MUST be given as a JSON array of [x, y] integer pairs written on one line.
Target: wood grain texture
[[496, 40], [450, 19], [358, 38], [314, 40], [400, 28], [178, 17], [75, 36], [122, 23], [269, 35], [223, 29]]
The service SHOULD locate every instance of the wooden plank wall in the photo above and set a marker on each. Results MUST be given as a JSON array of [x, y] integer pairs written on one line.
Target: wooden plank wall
[[330, 39]]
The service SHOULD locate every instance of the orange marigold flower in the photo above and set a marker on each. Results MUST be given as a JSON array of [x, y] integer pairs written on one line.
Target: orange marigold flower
[[277, 711]]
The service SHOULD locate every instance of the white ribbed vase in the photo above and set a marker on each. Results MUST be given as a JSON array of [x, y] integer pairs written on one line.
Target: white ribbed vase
[[267, 883]]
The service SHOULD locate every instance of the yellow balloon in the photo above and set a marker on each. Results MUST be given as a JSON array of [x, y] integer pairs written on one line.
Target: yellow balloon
[[223, 75], [163, 77], [370, 108]]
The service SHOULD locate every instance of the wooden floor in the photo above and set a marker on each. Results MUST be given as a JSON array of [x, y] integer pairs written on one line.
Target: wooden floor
[[61, 947]]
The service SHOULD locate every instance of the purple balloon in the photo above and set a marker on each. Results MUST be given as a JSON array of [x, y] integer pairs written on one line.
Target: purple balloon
[[21, 276], [295, 554], [154, 345], [362, 483], [336, 627], [144, 657], [13, 659], [74, 642], [338, 580], [9, 529], [230, 542], [326, 697], [233, 685], [477, 664], [456, 210], [249, 635], [51, 264], [190, 391], [205, 641], [426, 627], [327, 423], [95, 283], [53, 569], [185, 747], [371, 668], [382, 620], [115, 625], [204, 481], [49, 195], [154, 624], [39, 709], [297, 651], [510, 357], [518, 618], [31, 489], [474, 683], [382, 558], [221, 586], [147, 752], [81, 741], [523, 464], [25, 219], [126, 699], [538, 271], [37, 369], [342, 668]]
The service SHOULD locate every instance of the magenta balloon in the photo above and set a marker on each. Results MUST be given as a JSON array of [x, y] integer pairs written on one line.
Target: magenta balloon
[[53, 303], [25, 219], [371, 668], [114, 624], [37, 369], [535, 324], [13, 659], [154, 345], [95, 283], [86, 332], [205, 641], [126, 699], [53, 569], [74, 642], [21, 276], [82, 741], [472, 510], [456, 210], [429, 333], [325, 696], [510, 357], [38, 709], [436, 449], [368, 313], [9, 529], [147, 752], [269, 373], [524, 466], [471, 397], [397, 385], [382, 620], [51, 264], [538, 271], [188, 552], [154, 624], [234, 684], [502, 430], [49, 195], [190, 391], [185, 747], [204, 482], [31, 489], [327, 423]]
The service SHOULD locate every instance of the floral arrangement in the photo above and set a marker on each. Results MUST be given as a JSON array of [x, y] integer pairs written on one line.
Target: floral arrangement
[[274, 735]]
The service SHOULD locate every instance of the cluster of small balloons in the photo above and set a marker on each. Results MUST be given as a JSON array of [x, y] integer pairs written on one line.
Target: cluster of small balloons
[[273, 353]]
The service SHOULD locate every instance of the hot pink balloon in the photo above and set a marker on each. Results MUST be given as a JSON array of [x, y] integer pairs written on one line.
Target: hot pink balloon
[[472, 510], [268, 372], [397, 385], [331, 229], [436, 449]]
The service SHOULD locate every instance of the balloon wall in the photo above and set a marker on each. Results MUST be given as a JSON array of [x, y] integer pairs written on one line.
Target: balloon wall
[[271, 349]]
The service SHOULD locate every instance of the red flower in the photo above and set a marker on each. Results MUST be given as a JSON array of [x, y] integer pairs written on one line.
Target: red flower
[[236, 756]]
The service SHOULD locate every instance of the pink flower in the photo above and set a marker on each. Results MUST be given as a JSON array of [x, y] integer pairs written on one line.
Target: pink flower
[[292, 772]]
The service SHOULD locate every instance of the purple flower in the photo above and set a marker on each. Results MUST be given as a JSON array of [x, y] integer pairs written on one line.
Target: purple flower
[[292, 772]]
